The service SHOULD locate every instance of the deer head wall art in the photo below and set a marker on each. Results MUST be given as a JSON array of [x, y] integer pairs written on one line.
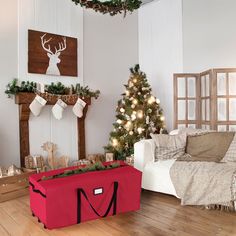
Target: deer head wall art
[[52, 54]]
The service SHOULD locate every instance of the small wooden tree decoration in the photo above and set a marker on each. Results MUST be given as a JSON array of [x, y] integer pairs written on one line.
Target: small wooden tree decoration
[[51, 148]]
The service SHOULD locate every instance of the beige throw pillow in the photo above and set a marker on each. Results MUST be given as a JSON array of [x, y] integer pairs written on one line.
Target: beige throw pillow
[[169, 146], [230, 155], [207, 147]]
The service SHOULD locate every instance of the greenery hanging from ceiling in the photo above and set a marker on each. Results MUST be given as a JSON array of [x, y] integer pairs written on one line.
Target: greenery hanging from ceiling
[[112, 7]]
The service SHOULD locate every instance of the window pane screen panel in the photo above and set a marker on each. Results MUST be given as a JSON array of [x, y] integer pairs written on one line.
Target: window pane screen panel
[[193, 126], [208, 109], [232, 128], [221, 84], [207, 85], [191, 87], [181, 126], [181, 110], [191, 109], [207, 127], [181, 87], [203, 86], [203, 109], [232, 83], [222, 128], [232, 109], [221, 108]]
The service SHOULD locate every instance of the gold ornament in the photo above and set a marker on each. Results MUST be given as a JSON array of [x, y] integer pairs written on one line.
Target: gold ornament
[[132, 106], [135, 80], [131, 132], [158, 101], [128, 125], [135, 101]]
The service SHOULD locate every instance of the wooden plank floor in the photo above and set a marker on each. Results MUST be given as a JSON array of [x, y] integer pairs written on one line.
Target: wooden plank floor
[[159, 215]]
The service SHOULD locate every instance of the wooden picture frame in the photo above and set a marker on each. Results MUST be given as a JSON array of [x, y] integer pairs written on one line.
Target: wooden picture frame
[[52, 54]]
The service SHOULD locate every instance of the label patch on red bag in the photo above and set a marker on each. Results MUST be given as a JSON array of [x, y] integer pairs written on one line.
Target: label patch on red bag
[[98, 191]]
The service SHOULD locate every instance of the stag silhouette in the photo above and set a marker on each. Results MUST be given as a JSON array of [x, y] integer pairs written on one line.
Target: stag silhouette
[[53, 56]]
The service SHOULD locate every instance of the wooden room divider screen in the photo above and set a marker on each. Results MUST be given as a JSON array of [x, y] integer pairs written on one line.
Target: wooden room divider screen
[[206, 100]]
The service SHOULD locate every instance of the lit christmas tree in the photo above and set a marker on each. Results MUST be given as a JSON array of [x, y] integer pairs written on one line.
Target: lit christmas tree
[[138, 115]]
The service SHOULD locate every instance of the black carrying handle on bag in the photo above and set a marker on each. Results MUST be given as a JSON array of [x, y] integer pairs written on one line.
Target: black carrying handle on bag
[[36, 190], [113, 201]]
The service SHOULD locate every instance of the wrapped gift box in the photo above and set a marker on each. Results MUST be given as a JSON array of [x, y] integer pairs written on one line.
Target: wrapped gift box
[[70, 200]]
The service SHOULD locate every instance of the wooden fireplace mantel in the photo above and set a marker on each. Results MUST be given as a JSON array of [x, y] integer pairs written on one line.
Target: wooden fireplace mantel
[[24, 100]]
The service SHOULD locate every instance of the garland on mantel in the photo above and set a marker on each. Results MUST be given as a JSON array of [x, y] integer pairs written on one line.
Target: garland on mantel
[[58, 88], [112, 7]]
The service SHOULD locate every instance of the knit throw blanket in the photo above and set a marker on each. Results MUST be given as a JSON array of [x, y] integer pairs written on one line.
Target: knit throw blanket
[[208, 184]]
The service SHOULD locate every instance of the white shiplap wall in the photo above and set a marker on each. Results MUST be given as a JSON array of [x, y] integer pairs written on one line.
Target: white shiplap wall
[[161, 49], [110, 49], [59, 17]]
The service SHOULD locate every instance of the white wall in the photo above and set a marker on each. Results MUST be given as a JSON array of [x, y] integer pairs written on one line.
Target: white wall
[[9, 143], [110, 49], [209, 34], [160, 49], [59, 17]]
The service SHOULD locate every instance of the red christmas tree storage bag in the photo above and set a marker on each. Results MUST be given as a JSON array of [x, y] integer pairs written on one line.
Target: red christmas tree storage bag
[[70, 200]]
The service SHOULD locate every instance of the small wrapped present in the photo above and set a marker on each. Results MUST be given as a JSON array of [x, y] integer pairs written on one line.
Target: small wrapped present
[[29, 162]]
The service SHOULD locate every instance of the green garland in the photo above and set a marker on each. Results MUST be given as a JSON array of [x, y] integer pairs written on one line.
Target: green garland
[[24, 87], [58, 88], [112, 7], [95, 167]]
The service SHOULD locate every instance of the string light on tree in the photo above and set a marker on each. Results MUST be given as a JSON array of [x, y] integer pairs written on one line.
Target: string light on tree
[[122, 110], [133, 117], [138, 114], [114, 142], [151, 100], [131, 132], [162, 118], [119, 121], [135, 101], [140, 130]]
